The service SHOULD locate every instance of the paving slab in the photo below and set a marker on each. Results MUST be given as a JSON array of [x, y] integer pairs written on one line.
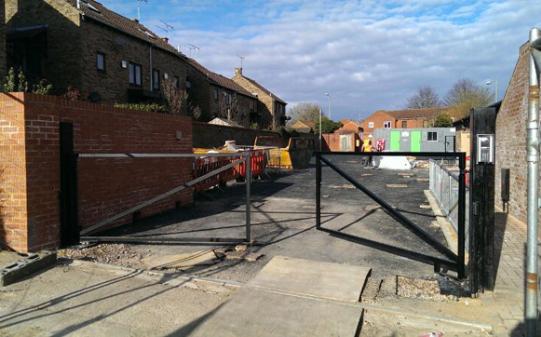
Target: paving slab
[[258, 312], [334, 281]]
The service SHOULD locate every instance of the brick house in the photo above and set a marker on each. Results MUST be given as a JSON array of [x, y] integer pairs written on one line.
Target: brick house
[[511, 137], [272, 109], [302, 126], [349, 126], [404, 119], [81, 43], [218, 96]]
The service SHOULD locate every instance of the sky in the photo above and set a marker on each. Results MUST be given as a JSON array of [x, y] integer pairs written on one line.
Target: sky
[[368, 55]]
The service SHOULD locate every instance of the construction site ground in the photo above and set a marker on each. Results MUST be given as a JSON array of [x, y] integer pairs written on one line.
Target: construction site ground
[[177, 290]]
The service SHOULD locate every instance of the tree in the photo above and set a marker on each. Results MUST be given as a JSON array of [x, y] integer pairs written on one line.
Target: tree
[[465, 95], [304, 112], [327, 125], [425, 97], [443, 120], [175, 98]]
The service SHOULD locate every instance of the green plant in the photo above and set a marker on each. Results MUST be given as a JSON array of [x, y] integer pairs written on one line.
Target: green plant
[[443, 120], [150, 107], [22, 84], [10, 82], [43, 87]]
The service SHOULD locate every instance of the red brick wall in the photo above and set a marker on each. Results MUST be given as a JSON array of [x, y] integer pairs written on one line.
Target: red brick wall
[[13, 206], [511, 133], [331, 141], [378, 118], [105, 186]]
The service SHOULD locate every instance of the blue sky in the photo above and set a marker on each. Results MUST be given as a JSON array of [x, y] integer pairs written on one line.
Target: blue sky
[[368, 55]]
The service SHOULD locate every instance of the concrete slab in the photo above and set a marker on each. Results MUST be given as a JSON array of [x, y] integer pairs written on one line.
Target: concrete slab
[[257, 312], [326, 280]]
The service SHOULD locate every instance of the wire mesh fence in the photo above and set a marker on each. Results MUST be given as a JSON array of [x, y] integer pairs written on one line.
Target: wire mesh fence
[[443, 178]]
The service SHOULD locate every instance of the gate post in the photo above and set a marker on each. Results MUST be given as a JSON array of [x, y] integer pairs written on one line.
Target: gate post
[[481, 230], [69, 227]]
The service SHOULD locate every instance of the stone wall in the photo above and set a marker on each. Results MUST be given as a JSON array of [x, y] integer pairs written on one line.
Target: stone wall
[[511, 135], [209, 136], [62, 65], [30, 140]]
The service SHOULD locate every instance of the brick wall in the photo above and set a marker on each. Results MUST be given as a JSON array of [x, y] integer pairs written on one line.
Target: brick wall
[[208, 135], [62, 66], [105, 186], [331, 142], [113, 84], [511, 137], [13, 206], [378, 118], [265, 107], [238, 109]]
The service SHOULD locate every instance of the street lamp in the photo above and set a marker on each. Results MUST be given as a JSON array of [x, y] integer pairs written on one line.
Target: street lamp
[[320, 139], [329, 97], [495, 82]]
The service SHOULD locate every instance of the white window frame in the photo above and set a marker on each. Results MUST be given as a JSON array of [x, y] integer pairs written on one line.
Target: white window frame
[[370, 125], [100, 66], [387, 124]]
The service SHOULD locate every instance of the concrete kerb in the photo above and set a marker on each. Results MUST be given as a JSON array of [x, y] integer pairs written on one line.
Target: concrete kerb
[[28, 265], [214, 284]]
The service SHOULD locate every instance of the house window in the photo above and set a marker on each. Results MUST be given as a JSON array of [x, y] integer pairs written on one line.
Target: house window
[[135, 74], [100, 62], [432, 136], [370, 125], [176, 82], [404, 124], [387, 124], [216, 94], [155, 80]]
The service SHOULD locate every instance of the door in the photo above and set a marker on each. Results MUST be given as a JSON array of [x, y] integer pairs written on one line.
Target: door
[[395, 141], [346, 143], [415, 137]]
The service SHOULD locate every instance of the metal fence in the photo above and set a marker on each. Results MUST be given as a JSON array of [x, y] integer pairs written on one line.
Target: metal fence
[[444, 185]]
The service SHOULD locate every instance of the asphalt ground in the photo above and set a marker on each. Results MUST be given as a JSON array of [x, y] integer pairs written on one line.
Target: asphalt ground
[[283, 221]]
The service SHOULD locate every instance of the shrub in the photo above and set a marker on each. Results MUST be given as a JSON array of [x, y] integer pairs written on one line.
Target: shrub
[[43, 87], [72, 94], [443, 120], [152, 107]]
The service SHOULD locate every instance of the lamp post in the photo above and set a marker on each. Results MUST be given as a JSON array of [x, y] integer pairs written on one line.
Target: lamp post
[[495, 83], [329, 97], [320, 139]]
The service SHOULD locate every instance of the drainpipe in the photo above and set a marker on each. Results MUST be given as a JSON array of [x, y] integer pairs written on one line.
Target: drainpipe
[[150, 66], [533, 180]]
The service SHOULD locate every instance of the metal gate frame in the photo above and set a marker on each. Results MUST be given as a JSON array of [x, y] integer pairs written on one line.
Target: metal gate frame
[[455, 262], [84, 235]]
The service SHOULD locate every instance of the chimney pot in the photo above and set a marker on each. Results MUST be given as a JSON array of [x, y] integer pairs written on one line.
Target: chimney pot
[[238, 71]]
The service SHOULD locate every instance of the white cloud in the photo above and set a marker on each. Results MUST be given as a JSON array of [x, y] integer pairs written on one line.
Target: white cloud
[[369, 54]]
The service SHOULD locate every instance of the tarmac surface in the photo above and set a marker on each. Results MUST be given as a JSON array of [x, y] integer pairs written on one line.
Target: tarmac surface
[[283, 221]]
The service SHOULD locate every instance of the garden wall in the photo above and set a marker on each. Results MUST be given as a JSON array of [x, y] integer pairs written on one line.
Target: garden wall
[[30, 158]]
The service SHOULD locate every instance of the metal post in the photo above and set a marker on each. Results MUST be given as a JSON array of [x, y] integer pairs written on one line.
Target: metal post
[[318, 190], [461, 216], [248, 196], [320, 139], [533, 176]]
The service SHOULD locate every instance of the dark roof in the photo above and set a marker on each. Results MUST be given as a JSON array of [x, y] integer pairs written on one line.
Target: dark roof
[[265, 90], [219, 80], [96, 11], [415, 113]]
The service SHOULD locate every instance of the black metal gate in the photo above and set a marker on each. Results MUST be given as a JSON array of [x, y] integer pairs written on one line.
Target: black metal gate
[[69, 228], [452, 261]]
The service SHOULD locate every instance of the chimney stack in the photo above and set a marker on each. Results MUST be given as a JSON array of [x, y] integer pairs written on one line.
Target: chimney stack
[[238, 71]]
